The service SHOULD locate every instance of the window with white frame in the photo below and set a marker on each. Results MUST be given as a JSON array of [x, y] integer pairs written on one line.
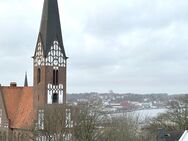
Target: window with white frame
[[68, 121], [41, 119], [6, 125], [1, 113], [67, 137]]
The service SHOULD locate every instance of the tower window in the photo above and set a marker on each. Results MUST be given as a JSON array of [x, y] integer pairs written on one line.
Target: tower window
[[38, 75], [55, 77], [55, 98]]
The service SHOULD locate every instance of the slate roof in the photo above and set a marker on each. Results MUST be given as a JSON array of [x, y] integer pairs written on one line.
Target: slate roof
[[19, 106], [50, 28]]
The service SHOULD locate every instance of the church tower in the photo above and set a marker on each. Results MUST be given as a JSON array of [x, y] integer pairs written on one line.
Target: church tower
[[50, 59]]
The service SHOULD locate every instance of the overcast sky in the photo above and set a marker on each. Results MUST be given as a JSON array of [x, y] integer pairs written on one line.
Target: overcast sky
[[136, 46]]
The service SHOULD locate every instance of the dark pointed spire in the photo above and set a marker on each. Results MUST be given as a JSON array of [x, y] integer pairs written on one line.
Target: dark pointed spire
[[25, 82], [50, 28]]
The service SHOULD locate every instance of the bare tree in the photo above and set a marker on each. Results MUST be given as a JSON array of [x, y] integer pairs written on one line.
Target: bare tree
[[124, 128], [53, 124], [174, 119], [92, 125], [88, 124]]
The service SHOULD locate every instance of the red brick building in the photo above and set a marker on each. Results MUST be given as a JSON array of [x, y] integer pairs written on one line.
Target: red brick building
[[19, 105]]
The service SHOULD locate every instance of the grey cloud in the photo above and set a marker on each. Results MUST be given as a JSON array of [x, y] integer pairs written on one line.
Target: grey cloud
[[116, 17], [139, 46]]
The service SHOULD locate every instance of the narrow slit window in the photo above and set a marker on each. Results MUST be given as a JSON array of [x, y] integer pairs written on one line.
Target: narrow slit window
[[38, 75], [55, 77]]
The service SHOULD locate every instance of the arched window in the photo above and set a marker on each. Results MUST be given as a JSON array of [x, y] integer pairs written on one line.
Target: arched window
[[55, 98], [18, 136], [57, 80], [1, 136], [55, 77], [4, 136], [14, 136], [22, 137], [38, 75]]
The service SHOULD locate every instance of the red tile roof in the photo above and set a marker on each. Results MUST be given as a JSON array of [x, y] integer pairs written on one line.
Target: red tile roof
[[19, 106]]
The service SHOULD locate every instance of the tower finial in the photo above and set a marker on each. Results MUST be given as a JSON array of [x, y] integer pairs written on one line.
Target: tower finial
[[25, 82]]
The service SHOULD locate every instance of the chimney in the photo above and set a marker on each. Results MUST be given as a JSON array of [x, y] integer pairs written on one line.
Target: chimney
[[13, 84]]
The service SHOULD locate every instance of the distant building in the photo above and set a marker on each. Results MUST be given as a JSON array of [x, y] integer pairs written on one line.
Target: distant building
[[19, 105]]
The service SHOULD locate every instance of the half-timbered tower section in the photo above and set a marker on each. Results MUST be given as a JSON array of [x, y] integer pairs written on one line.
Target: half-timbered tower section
[[50, 59]]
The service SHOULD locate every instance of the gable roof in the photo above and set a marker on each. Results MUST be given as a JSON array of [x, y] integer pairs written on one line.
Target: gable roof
[[50, 28], [19, 106]]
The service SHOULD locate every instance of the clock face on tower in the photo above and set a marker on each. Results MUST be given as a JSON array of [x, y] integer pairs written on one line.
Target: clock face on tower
[[55, 62], [39, 61]]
